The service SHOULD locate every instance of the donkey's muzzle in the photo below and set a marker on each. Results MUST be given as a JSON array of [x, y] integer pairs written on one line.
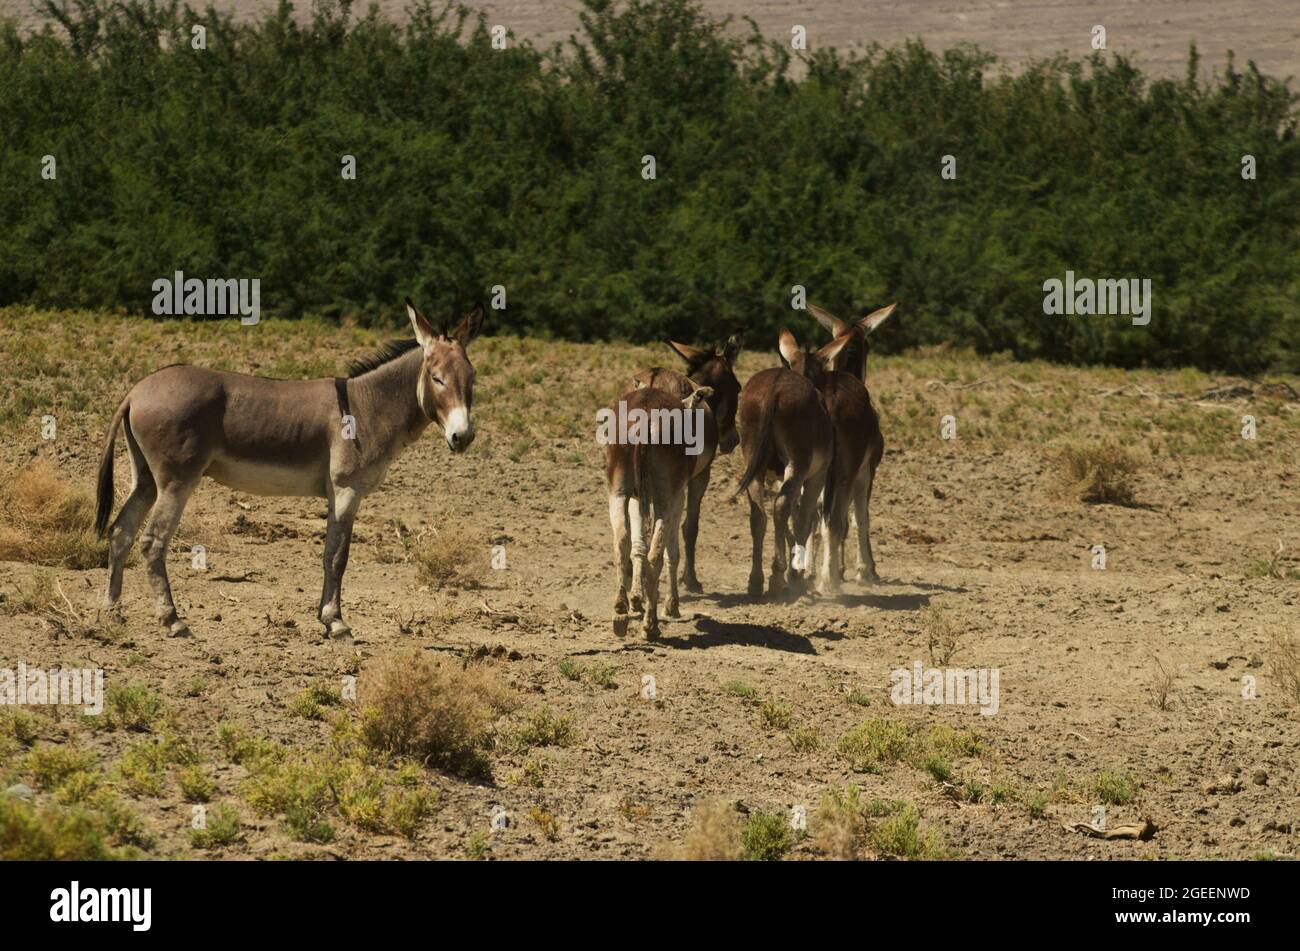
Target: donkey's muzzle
[[460, 439]]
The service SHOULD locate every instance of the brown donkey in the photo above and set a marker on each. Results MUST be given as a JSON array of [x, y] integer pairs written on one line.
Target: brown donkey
[[784, 429], [330, 438], [855, 423], [853, 359], [667, 444], [716, 371]]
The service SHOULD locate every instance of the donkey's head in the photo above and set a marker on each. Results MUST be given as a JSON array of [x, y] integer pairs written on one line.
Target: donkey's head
[[716, 371], [853, 358], [445, 390], [813, 364]]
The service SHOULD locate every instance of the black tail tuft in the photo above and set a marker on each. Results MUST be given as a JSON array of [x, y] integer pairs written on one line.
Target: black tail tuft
[[104, 489]]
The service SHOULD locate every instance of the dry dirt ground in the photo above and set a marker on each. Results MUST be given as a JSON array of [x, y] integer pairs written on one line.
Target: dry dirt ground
[[1155, 33], [971, 527]]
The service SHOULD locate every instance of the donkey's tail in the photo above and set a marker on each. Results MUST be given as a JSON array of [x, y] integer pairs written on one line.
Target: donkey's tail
[[762, 447], [104, 491]]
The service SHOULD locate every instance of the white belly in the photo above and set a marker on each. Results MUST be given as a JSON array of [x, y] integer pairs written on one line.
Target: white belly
[[267, 478]]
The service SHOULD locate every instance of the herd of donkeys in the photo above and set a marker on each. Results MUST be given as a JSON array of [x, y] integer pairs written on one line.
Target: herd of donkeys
[[808, 424]]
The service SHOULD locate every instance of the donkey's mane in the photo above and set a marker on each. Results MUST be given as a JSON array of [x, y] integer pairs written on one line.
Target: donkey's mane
[[385, 354]]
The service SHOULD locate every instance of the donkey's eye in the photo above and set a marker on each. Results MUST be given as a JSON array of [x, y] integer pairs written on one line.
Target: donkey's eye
[[438, 380]]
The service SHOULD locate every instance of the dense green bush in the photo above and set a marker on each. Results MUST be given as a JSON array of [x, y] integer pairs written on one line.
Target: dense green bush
[[521, 167]]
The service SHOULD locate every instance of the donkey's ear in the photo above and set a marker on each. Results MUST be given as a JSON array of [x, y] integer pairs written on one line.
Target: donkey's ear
[[828, 353], [686, 351], [829, 321], [875, 318], [732, 350], [469, 326], [787, 346], [424, 334]]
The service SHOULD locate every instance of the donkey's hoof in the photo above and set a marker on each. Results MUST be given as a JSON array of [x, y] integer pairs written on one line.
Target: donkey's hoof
[[692, 584], [755, 586], [868, 576], [672, 610], [775, 586], [828, 589], [620, 625], [338, 631], [638, 605], [178, 629], [651, 628]]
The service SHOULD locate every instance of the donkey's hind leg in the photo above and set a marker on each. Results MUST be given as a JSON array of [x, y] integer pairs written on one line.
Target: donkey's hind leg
[[757, 529], [862, 514], [121, 536], [672, 545], [618, 520], [695, 490], [158, 530]]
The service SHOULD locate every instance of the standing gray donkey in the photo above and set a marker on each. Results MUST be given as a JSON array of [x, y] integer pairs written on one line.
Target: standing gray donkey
[[329, 438]]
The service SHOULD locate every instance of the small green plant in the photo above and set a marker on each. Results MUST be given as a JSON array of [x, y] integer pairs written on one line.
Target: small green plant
[[902, 836], [196, 785], [775, 716], [1115, 789], [310, 703], [51, 765], [477, 846], [221, 826], [766, 837], [805, 739], [132, 707], [541, 728], [742, 690], [938, 768]]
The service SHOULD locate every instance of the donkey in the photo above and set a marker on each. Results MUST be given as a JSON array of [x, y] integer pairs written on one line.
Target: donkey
[[855, 422], [331, 438], [853, 359], [716, 371], [648, 475], [784, 429]]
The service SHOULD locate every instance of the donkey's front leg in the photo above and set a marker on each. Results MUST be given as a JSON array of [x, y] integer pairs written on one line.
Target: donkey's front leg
[[338, 539]]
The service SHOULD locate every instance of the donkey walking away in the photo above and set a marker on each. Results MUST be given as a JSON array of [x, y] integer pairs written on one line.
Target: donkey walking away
[[715, 370], [852, 359], [647, 481], [784, 430], [328, 438], [857, 433]]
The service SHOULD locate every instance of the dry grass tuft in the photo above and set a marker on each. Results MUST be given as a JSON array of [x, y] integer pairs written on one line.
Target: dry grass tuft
[[439, 715], [1285, 665], [46, 521], [1097, 472], [716, 835], [452, 555]]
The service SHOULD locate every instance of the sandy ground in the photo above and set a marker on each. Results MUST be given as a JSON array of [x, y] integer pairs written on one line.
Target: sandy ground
[[971, 527], [1155, 33]]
